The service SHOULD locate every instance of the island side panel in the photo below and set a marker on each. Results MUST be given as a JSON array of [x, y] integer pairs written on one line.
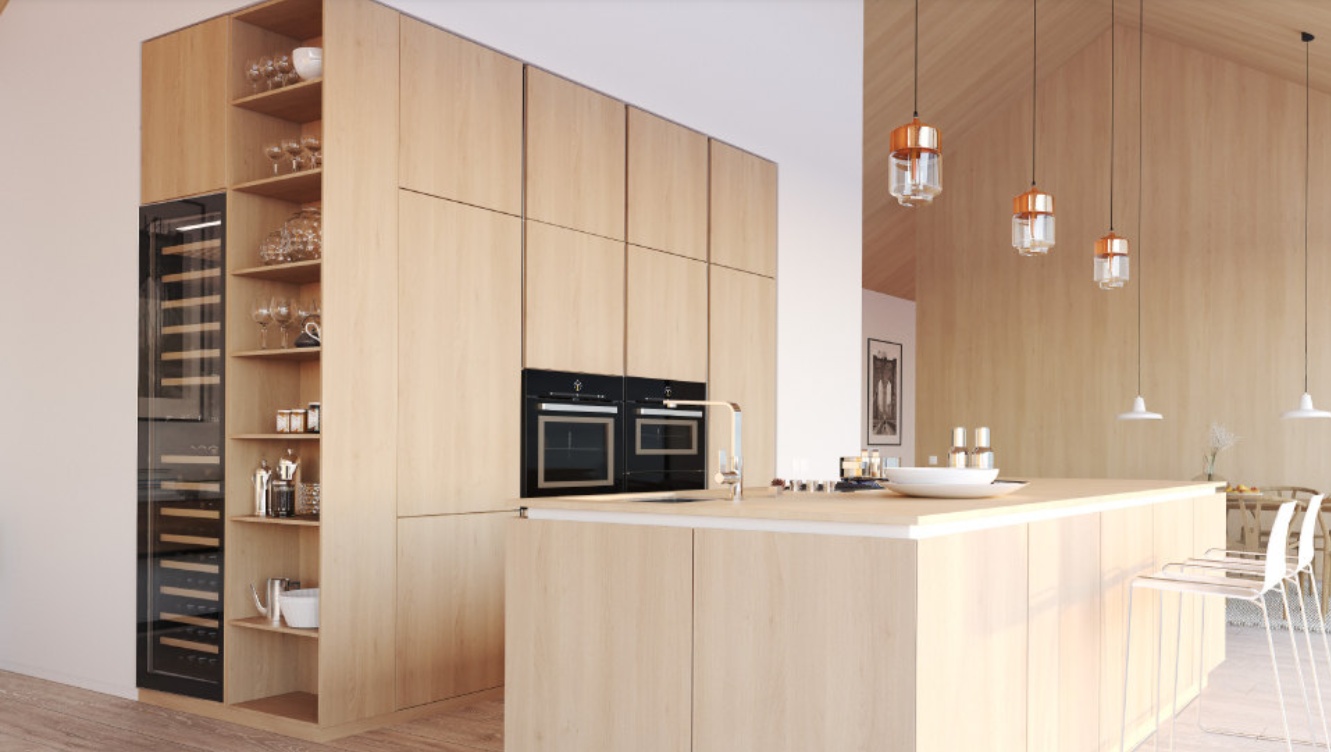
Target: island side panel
[[1127, 548], [971, 672], [598, 622], [1209, 530], [803, 642], [1063, 659]]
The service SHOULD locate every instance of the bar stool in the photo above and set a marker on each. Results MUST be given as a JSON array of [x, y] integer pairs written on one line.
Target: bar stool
[[1273, 574]]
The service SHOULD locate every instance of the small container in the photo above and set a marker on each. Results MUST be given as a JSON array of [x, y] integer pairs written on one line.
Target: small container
[[307, 502], [297, 421], [284, 421], [850, 467], [875, 464], [957, 456], [312, 414], [982, 456], [281, 498]]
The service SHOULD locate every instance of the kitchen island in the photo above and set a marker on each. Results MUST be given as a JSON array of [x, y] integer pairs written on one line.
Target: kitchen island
[[862, 621]]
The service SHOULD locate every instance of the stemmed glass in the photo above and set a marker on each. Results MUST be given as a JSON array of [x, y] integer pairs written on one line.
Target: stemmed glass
[[282, 61], [269, 69], [283, 314], [254, 74], [262, 313], [274, 152], [312, 144], [292, 146]]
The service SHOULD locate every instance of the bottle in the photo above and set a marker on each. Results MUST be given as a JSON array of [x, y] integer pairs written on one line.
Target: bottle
[[864, 463], [983, 456], [262, 477], [875, 464], [957, 455]]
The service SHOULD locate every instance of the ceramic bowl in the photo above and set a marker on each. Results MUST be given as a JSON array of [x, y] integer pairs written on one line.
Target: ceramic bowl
[[300, 608], [309, 62]]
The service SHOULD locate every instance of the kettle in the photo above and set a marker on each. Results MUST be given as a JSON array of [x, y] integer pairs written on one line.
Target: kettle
[[276, 585]]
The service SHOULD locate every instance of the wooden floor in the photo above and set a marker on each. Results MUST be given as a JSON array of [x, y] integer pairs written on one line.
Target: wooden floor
[[41, 716]]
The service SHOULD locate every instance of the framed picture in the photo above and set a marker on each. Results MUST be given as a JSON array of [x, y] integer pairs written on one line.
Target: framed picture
[[883, 403]]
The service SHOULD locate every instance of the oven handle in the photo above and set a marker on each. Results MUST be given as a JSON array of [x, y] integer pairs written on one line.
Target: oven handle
[[670, 413], [556, 407]]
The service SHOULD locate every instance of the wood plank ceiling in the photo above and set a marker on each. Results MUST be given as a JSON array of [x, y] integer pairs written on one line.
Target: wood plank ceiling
[[975, 57]]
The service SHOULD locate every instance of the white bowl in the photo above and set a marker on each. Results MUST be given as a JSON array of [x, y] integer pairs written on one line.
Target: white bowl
[[309, 62], [300, 608], [948, 475]]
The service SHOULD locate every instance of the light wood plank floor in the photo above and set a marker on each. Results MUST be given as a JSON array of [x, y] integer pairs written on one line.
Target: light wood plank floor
[[41, 716]]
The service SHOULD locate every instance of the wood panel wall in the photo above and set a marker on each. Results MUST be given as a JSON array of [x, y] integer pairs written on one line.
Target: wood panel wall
[[1032, 348]]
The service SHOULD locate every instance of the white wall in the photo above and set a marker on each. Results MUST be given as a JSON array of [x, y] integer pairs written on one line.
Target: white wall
[[893, 320], [782, 79]]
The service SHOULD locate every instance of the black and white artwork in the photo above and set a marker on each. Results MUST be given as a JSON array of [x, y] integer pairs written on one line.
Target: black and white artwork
[[884, 398]]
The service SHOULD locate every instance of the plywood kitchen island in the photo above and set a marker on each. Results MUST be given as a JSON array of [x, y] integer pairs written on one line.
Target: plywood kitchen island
[[845, 621]]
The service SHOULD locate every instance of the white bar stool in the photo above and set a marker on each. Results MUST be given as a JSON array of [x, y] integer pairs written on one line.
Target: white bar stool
[[1273, 574]]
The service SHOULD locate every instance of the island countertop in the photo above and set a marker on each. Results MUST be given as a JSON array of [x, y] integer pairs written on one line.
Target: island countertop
[[872, 513]]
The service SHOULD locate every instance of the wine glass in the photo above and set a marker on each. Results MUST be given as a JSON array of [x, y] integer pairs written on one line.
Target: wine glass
[[274, 152], [254, 74], [269, 69], [262, 313], [313, 144], [292, 146], [283, 314]]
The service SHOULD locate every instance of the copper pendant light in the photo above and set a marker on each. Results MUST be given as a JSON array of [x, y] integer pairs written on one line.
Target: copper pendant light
[[916, 169], [1111, 251], [1033, 211]]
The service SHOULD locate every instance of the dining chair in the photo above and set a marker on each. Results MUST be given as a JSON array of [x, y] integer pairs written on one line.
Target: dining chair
[[1239, 586]]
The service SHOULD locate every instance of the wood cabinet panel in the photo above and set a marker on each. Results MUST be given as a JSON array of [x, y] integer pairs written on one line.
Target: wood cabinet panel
[[460, 363], [667, 186], [461, 119], [574, 318], [184, 112], [1126, 551], [803, 642], [450, 606], [742, 368], [599, 628], [575, 156], [743, 210], [666, 316]]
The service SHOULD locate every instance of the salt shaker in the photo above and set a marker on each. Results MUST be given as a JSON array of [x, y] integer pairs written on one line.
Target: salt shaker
[[957, 455], [983, 456]]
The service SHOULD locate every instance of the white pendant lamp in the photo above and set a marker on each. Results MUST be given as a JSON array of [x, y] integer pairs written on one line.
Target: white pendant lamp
[[915, 174], [1139, 411], [1111, 251], [1305, 408], [1033, 211]]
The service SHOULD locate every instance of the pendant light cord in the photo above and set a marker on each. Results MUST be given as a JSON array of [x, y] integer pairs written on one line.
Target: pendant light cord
[[1307, 155], [916, 102], [1141, 161], [1035, 46], [1112, 8]]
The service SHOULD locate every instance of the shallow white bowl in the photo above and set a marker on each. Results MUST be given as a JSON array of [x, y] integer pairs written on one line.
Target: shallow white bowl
[[958, 490], [950, 475], [300, 608], [309, 61]]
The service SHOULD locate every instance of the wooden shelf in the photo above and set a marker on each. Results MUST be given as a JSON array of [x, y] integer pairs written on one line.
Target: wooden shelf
[[300, 19], [298, 706], [281, 353], [262, 624], [297, 187], [297, 272], [276, 436], [297, 521], [299, 103], [202, 249]]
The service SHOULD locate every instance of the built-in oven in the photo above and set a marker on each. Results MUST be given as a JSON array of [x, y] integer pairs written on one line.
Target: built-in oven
[[573, 424], [665, 448]]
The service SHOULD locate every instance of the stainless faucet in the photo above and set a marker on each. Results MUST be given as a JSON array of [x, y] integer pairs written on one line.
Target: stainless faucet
[[731, 473]]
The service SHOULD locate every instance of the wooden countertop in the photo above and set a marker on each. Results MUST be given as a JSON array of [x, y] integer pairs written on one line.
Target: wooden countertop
[[875, 513]]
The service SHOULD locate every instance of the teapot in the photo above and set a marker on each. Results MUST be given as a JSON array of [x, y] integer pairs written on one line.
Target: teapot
[[275, 587], [311, 335]]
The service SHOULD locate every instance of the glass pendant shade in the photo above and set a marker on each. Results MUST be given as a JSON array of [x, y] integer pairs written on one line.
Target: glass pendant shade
[[1139, 411], [1306, 409], [917, 164], [1111, 261], [1033, 222]]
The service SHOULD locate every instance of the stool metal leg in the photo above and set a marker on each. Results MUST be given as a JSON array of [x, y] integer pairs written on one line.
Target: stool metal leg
[[1312, 663], [1127, 661], [1298, 664], [1280, 693]]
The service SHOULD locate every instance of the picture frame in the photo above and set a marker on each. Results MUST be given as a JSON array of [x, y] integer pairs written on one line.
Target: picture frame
[[882, 404]]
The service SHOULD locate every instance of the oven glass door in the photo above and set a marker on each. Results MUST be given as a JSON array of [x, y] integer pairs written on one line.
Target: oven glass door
[[658, 437], [575, 451]]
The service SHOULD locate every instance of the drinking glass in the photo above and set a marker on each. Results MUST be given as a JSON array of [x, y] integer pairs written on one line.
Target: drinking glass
[[272, 250], [274, 152], [308, 310], [313, 144], [262, 313], [269, 69], [282, 61], [282, 316], [292, 146], [253, 74]]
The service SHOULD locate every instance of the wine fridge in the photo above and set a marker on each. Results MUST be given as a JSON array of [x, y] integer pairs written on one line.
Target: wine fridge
[[181, 436]]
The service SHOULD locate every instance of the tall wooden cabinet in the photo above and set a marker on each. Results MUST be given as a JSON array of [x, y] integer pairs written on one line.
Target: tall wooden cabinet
[[742, 367]]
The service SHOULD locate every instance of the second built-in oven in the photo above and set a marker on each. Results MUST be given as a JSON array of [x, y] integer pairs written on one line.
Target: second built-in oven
[[664, 447], [571, 434]]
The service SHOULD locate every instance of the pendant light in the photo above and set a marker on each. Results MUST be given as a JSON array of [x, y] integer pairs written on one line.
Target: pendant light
[[1305, 408], [916, 173], [1139, 411], [1033, 211], [1111, 251]]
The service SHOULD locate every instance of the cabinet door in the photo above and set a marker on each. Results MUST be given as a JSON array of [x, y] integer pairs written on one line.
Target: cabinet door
[[575, 301], [743, 218], [461, 119], [459, 360], [667, 316], [184, 111], [742, 347], [450, 606], [667, 186], [575, 156], [600, 634]]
